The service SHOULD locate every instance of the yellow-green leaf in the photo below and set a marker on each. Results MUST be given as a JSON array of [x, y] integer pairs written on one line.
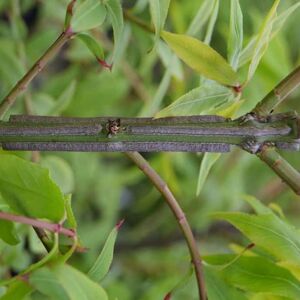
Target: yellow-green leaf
[[263, 40], [202, 58]]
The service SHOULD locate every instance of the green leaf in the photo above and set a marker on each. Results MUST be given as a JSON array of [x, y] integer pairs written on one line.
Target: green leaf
[[45, 281], [206, 99], [212, 22], [84, 287], [63, 100], [92, 45], [202, 58], [28, 189], [102, 264], [263, 39], [114, 10], [159, 11], [256, 274], [8, 232], [88, 15], [235, 41], [69, 211], [60, 172], [17, 290], [279, 21], [208, 160], [268, 232], [218, 288]]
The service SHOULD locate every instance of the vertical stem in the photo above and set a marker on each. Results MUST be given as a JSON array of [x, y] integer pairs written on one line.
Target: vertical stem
[[10, 98], [278, 94], [178, 213]]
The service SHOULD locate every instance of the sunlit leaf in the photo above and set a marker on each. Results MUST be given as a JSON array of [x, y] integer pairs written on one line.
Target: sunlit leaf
[[202, 58], [88, 15], [263, 39], [28, 189], [205, 99], [101, 266], [207, 162], [256, 274], [279, 21], [114, 11], [218, 288], [235, 41], [268, 232], [159, 11]]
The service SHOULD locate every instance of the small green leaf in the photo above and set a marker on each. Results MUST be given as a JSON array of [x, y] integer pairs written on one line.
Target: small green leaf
[[28, 189], [114, 11], [69, 211], [88, 15], [92, 45], [202, 58], [208, 160], [235, 41], [63, 100], [206, 99], [101, 266], [212, 22], [268, 232], [263, 40], [8, 232], [255, 274], [84, 287], [159, 11]]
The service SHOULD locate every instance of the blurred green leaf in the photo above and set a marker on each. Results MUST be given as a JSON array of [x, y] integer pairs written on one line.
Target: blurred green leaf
[[88, 15], [84, 287], [278, 23], [206, 99], [28, 189], [60, 172], [263, 39], [8, 232], [115, 13], [63, 100], [159, 11], [101, 266], [268, 232], [201, 58], [207, 162], [92, 45], [212, 22], [256, 274], [45, 281], [17, 290], [235, 41]]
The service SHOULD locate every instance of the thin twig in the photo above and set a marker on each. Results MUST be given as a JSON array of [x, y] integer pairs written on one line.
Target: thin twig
[[178, 213], [21, 86], [56, 228]]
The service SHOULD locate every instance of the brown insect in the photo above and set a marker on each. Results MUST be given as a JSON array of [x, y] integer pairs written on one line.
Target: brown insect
[[113, 127]]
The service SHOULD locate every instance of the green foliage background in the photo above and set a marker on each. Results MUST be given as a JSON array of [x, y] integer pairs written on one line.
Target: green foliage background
[[150, 256]]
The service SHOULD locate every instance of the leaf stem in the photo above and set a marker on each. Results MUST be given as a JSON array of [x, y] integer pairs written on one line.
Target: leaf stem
[[22, 84], [163, 188], [130, 17], [56, 228], [278, 94]]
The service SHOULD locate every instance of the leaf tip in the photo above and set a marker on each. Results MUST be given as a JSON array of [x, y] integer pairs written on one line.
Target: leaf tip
[[119, 224]]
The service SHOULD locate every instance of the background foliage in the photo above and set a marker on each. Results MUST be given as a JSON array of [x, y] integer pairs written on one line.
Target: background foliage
[[151, 256]]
